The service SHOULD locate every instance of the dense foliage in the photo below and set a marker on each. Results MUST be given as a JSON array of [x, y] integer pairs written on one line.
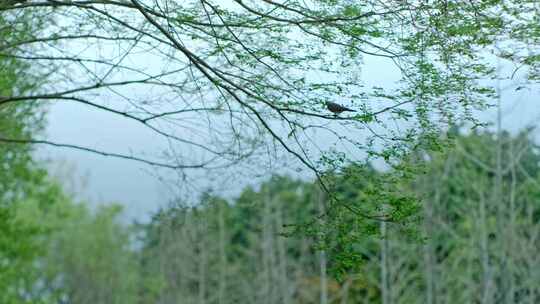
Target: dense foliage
[[478, 238]]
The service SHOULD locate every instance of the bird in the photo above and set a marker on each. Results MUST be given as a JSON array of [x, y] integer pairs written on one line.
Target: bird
[[337, 108]]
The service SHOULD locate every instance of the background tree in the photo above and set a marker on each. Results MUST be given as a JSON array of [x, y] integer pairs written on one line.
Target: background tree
[[464, 255], [239, 252], [24, 187]]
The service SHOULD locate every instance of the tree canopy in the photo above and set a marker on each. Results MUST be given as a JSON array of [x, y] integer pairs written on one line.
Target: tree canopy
[[223, 82], [227, 79]]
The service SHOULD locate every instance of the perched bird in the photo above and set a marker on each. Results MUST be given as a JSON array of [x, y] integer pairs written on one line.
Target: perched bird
[[337, 108]]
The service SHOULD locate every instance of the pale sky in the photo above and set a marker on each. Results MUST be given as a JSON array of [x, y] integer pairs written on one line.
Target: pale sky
[[138, 187]]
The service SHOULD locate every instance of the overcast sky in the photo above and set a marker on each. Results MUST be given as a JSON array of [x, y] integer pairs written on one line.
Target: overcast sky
[[99, 179]]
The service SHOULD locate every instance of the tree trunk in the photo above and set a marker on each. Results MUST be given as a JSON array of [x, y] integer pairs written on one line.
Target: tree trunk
[[322, 256], [222, 254]]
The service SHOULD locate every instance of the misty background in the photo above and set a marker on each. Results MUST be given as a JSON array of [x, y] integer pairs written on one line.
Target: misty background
[[142, 189]]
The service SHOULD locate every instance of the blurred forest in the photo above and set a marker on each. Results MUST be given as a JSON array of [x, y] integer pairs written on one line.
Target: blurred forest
[[476, 240]]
